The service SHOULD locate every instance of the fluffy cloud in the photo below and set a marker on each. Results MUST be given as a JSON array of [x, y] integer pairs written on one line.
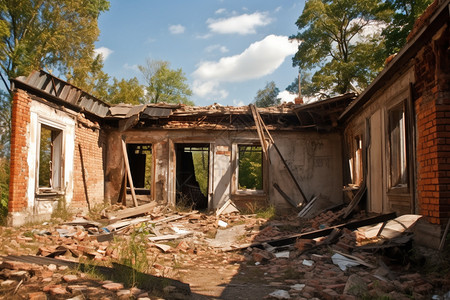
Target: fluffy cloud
[[220, 11], [259, 59], [287, 96], [176, 29], [218, 47], [242, 24], [103, 51], [208, 89]]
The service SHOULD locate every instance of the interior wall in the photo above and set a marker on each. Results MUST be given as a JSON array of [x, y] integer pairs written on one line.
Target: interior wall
[[311, 156]]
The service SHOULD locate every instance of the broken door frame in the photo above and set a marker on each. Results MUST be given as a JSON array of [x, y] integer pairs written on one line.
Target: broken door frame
[[172, 168]]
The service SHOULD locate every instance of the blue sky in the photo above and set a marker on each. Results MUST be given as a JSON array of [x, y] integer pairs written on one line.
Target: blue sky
[[228, 49]]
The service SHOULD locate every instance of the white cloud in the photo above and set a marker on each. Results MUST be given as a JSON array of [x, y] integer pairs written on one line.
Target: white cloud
[[208, 89], [215, 47], [131, 67], [220, 11], [259, 59], [204, 37], [278, 9], [176, 29], [103, 51], [287, 96], [242, 24], [238, 102]]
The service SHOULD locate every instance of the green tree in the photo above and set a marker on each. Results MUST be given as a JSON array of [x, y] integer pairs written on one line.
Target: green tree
[[338, 45], [165, 84], [268, 96], [51, 34], [126, 91], [402, 22], [91, 78]]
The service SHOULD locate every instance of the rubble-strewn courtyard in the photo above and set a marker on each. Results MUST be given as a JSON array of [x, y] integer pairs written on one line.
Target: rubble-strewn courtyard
[[193, 255]]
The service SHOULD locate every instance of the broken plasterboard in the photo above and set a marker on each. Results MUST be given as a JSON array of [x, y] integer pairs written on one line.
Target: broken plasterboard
[[392, 229], [227, 208]]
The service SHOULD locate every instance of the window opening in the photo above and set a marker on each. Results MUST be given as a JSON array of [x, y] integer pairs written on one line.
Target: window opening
[[397, 147], [250, 167], [358, 161], [192, 175], [50, 152], [140, 159]]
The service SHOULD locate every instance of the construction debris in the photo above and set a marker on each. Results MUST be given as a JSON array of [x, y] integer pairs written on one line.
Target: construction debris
[[297, 256]]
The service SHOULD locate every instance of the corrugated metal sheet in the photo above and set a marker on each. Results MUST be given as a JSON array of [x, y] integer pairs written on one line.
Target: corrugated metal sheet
[[157, 112], [65, 91]]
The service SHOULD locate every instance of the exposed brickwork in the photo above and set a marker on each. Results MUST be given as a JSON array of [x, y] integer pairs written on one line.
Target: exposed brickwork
[[433, 136], [19, 152], [92, 142]]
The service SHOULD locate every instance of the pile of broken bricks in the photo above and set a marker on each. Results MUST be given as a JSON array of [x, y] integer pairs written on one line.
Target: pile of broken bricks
[[331, 265]]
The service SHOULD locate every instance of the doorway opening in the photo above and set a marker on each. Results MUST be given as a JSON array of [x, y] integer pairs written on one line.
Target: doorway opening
[[192, 165], [141, 167]]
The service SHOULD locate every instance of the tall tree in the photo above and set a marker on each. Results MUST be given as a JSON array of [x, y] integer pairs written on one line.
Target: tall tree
[[338, 41], [165, 84], [126, 91], [91, 78], [268, 96], [52, 34], [402, 22]]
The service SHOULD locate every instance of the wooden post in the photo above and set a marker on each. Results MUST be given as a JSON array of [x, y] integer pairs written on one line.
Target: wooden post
[[127, 167]]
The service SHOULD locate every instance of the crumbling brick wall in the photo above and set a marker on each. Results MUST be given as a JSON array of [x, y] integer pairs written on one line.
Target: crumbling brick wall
[[19, 151], [88, 164], [433, 128]]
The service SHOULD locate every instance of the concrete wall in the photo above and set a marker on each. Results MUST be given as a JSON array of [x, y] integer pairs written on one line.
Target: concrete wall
[[314, 158]]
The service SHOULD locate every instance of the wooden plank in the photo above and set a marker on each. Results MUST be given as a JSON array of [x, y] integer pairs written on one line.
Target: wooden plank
[[282, 158], [127, 167], [259, 130], [83, 175], [319, 233], [173, 218], [285, 196], [131, 212], [168, 237], [355, 200]]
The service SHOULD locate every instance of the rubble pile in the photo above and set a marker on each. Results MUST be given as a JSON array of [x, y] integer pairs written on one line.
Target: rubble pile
[[281, 257]]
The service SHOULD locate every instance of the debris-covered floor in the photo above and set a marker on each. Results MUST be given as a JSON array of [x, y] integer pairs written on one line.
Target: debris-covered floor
[[176, 255]]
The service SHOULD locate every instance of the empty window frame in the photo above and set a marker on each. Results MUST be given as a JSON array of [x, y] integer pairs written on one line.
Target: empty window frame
[[398, 167], [49, 175], [249, 167], [358, 162], [141, 166]]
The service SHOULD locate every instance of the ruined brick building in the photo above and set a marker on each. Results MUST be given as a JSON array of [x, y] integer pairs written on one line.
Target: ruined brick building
[[391, 143]]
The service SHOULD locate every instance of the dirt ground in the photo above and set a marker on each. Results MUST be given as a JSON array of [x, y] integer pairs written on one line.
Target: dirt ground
[[213, 260]]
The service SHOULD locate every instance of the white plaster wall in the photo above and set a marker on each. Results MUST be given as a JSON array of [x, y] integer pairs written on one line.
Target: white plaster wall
[[41, 113]]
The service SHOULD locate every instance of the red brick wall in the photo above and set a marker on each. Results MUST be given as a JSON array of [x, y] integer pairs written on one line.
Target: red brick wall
[[19, 152], [433, 138], [92, 142]]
